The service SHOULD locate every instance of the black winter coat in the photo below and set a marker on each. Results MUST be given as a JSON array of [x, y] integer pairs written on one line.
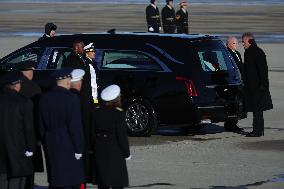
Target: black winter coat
[[257, 95], [16, 134], [31, 90], [62, 135], [111, 147], [168, 19], [182, 21], [153, 18]]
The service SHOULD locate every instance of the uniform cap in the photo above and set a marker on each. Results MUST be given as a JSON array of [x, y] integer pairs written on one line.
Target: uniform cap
[[77, 75], [12, 78], [110, 93], [62, 73], [89, 48]]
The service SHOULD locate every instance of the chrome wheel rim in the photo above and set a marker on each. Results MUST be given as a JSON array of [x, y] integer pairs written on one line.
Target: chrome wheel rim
[[137, 117]]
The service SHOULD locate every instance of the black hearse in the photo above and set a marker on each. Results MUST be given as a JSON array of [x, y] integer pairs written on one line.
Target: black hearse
[[185, 80]]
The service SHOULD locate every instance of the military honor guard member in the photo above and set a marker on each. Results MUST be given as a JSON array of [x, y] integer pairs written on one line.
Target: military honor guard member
[[16, 122], [62, 134], [153, 17], [110, 141], [168, 17], [256, 83], [50, 31], [31, 90], [182, 18]]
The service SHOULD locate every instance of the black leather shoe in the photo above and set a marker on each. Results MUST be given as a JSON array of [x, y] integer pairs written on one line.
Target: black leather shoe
[[252, 134]]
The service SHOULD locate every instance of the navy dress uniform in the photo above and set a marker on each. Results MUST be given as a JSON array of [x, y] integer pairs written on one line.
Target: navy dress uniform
[[182, 18], [168, 18], [16, 122], [153, 17], [62, 134], [110, 141]]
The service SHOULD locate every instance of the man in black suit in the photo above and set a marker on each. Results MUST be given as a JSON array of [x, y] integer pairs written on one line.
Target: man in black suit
[[168, 17], [153, 17], [232, 45], [257, 94], [182, 18]]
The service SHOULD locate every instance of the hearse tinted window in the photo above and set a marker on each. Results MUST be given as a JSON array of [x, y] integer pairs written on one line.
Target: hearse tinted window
[[33, 54], [57, 57], [128, 60], [213, 56]]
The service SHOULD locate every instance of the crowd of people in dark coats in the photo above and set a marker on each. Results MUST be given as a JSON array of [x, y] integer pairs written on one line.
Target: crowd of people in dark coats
[[80, 142]]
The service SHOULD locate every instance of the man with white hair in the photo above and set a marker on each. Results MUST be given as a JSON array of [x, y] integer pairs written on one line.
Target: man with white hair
[[232, 45]]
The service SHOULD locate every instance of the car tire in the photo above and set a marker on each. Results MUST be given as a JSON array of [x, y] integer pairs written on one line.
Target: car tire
[[140, 118], [229, 124]]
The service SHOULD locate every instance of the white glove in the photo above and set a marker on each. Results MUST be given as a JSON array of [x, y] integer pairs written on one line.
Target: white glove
[[128, 158], [78, 156], [160, 28], [29, 154], [151, 29]]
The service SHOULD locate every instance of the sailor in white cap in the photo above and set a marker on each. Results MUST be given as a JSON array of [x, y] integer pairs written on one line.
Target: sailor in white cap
[[111, 145], [90, 56]]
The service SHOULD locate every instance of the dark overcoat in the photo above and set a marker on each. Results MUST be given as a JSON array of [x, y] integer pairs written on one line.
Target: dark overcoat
[[257, 95], [16, 133], [86, 121], [182, 21], [111, 147], [31, 90], [168, 19], [238, 60], [62, 135], [153, 18]]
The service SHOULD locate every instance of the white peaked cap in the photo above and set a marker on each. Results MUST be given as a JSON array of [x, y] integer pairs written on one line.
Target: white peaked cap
[[89, 46], [77, 75], [110, 93]]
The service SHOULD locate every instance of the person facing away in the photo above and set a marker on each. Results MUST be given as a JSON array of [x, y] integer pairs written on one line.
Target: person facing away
[[153, 17], [17, 137], [256, 83], [62, 135], [168, 17], [31, 90], [182, 18], [232, 45], [110, 141], [50, 31]]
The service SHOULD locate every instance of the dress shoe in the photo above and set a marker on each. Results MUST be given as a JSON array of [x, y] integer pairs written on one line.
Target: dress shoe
[[253, 134]]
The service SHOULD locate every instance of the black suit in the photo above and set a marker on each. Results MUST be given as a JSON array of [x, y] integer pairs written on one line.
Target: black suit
[[257, 94], [153, 18], [182, 21], [168, 19], [238, 60]]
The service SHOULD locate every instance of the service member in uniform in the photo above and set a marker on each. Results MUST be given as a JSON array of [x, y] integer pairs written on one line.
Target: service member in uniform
[[62, 133], [232, 45], [153, 17], [110, 141], [182, 18], [168, 17], [257, 94], [50, 31], [31, 90], [76, 84], [16, 122]]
